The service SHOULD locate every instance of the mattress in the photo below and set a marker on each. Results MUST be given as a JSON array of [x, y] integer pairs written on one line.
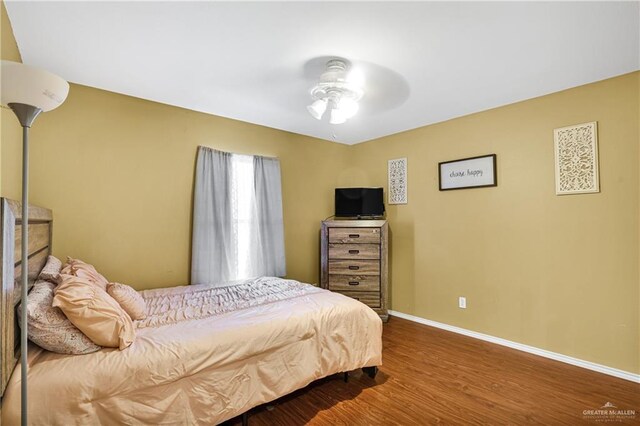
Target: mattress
[[204, 355]]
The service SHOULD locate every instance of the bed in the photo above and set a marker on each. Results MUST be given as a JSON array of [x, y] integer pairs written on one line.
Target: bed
[[203, 355]]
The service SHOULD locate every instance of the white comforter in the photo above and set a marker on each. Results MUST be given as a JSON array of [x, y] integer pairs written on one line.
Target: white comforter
[[203, 356]]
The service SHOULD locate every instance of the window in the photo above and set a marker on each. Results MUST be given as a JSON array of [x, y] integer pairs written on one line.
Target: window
[[243, 200], [237, 218]]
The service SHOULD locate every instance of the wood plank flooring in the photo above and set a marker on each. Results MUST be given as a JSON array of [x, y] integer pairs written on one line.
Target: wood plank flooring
[[431, 376]]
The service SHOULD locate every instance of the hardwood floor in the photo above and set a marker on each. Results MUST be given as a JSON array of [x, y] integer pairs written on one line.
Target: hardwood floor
[[433, 376]]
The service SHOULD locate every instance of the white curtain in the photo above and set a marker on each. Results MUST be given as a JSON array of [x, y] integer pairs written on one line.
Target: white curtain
[[269, 244], [213, 253], [237, 218]]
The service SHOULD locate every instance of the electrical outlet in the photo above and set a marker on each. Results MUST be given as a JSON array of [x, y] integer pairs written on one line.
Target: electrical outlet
[[462, 302]]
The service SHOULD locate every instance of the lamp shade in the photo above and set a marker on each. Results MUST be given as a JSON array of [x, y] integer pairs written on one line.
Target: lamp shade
[[317, 108], [337, 116], [348, 106], [23, 84]]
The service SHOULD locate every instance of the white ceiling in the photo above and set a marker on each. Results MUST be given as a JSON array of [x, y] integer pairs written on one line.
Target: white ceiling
[[256, 61]]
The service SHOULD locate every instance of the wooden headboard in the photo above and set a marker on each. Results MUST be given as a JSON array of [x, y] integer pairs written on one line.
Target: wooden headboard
[[40, 228]]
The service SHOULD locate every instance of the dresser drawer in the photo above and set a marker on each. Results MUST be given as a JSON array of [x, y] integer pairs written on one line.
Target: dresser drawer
[[354, 282], [351, 267], [354, 251], [369, 298], [354, 261], [354, 235]]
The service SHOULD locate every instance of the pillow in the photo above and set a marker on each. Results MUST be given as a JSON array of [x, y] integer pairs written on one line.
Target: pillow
[[51, 270], [80, 269], [94, 312], [49, 328], [129, 299]]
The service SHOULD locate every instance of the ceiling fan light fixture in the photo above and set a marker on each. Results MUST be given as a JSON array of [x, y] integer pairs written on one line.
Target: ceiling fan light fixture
[[317, 108], [348, 106], [338, 91], [356, 77], [337, 116]]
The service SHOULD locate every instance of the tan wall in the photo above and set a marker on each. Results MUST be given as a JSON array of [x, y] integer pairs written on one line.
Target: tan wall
[[118, 173], [554, 272]]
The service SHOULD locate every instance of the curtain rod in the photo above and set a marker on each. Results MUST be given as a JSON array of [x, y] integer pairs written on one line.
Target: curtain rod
[[237, 153]]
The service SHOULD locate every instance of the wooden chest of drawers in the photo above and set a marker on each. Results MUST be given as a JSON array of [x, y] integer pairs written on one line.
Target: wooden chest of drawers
[[354, 261]]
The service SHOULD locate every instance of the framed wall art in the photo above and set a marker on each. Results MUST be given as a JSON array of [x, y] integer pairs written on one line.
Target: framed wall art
[[473, 172]]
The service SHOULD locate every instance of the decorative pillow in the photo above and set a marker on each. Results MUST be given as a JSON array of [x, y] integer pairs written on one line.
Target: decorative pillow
[[129, 299], [49, 328], [94, 312], [80, 269], [51, 269]]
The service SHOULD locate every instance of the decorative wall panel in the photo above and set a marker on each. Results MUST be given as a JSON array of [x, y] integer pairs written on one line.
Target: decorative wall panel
[[576, 151], [398, 181]]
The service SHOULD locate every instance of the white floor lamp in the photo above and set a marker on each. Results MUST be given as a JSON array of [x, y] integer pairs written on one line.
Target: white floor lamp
[[28, 91]]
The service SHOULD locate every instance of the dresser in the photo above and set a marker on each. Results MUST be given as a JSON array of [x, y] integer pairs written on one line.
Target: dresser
[[354, 261]]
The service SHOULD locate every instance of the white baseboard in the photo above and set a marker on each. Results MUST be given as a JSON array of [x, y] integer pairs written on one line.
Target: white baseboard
[[525, 348]]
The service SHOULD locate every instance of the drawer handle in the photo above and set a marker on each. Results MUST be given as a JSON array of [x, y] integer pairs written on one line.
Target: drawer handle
[[354, 268], [354, 235], [357, 298], [354, 282], [354, 251]]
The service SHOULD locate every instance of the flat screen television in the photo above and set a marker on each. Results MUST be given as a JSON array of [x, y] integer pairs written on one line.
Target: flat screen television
[[359, 202]]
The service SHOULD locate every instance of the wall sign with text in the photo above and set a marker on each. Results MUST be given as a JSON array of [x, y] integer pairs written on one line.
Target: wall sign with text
[[474, 172]]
